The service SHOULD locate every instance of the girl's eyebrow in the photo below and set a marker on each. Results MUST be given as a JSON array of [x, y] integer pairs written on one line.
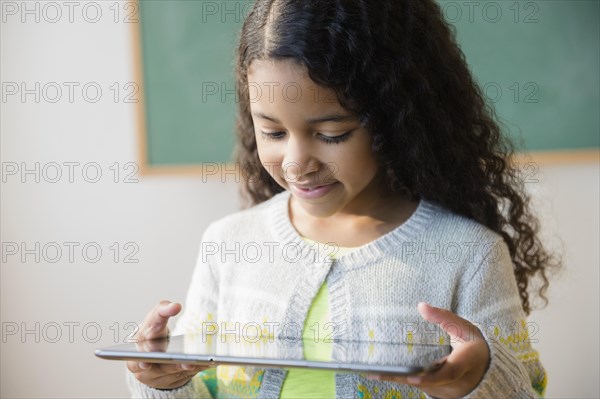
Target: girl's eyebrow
[[311, 121]]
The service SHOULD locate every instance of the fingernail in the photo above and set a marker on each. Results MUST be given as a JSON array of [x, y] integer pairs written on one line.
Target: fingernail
[[372, 377], [143, 366], [187, 366]]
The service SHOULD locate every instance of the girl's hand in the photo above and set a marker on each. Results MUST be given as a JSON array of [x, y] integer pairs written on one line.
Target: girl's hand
[[463, 368], [155, 375]]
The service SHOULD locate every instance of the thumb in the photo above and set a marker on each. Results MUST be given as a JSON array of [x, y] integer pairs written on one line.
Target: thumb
[[455, 326], [168, 309], [156, 323]]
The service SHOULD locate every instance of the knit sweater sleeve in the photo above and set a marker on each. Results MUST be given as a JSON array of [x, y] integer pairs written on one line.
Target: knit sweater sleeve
[[199, 309], [489, 298]]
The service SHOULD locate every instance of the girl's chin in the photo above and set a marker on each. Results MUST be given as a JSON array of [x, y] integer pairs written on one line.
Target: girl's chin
[[315, 209]]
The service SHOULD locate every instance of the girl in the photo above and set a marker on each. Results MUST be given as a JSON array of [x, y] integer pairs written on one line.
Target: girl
[[371, 135]]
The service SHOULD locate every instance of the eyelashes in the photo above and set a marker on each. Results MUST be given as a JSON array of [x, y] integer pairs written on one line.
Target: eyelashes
[[327, 139], [337, 139]]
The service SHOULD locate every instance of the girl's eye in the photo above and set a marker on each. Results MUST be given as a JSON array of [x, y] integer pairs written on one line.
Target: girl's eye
[[272, 136], [327, 139], [337, 139]]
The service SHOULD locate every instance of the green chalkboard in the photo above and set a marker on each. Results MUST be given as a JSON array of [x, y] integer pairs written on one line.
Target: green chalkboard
[[188, 79], [538, 62]]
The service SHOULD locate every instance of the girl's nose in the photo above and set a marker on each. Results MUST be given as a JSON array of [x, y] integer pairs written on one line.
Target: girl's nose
[[299, 160]]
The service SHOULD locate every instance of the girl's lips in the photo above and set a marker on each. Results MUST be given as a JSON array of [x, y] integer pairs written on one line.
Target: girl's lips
[[313, 193]]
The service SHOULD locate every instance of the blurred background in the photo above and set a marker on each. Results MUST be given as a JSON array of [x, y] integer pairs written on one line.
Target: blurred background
[[93, 236]]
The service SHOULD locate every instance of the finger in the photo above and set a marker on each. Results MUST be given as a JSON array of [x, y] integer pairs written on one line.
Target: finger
[[154, 345], [168, 309], [387, 377], [407, 379], [155, 325], [153, 371], [148, 370], [137, 367], [457, 327], [179, 383], [173, 380], [168, 369], [452, 370]]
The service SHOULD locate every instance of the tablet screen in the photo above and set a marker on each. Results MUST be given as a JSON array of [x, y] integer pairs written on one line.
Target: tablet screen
[[352, 356]]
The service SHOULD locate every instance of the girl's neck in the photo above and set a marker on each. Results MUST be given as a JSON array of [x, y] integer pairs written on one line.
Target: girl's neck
[[354, 229]]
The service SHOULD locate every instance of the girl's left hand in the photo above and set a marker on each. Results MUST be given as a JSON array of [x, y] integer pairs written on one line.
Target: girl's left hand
[[463, 368]]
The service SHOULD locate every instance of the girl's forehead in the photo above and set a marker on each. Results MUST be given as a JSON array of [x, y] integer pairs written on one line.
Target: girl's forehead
[[283, 87], [278, 68], [288, 78]]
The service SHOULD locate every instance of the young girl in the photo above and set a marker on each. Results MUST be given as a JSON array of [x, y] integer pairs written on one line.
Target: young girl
[[369, 135]]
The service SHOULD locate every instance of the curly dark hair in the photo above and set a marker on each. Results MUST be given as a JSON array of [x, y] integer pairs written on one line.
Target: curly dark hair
[[396, 65]]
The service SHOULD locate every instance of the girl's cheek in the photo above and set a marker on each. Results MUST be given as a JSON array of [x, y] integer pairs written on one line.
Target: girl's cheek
[[264, 154], [271, 162], [269, 156], [275, 151]]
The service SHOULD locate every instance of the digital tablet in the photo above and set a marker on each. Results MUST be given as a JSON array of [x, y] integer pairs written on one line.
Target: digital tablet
[[346, 356]]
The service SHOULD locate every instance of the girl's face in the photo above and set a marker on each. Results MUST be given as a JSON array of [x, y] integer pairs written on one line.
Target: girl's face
[[309, 144]]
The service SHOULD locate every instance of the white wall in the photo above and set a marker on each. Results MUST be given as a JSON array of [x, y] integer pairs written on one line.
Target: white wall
[[165, 217]]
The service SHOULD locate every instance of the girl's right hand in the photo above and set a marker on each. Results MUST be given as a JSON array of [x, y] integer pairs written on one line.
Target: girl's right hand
[[155, 375]]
